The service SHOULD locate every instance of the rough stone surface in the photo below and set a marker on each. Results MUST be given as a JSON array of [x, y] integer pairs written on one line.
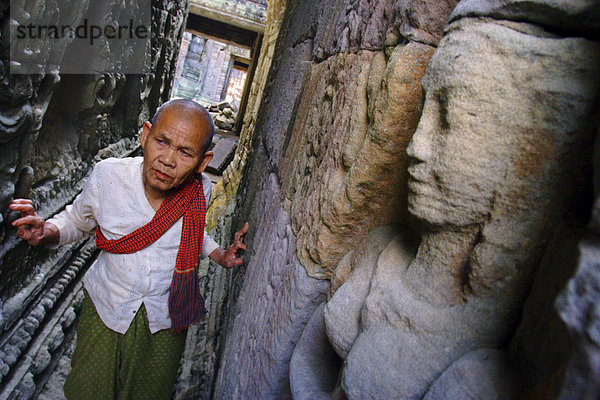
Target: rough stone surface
[[275, 303], [280, 103], [224, 123], [353, 106], [315, 365], [53, 390], [480, 374], [351, 26], [249, 14], [342, 312], [199, 362], [423, 20]]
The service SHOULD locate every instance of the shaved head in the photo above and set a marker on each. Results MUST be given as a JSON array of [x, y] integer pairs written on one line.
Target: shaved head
[[191, 111]]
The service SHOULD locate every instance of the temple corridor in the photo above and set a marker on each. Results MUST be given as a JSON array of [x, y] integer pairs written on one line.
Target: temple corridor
[[420, 178]]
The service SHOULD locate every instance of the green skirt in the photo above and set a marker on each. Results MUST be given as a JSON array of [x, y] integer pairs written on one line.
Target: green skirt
[[107, 365]]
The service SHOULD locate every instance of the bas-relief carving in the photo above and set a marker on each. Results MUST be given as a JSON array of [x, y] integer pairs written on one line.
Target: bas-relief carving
[[21, 114], [497, 162], [52, 129], [76, 125], [25, 98]]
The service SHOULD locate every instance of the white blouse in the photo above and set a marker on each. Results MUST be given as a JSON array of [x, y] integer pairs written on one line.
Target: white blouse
[[114, 199]]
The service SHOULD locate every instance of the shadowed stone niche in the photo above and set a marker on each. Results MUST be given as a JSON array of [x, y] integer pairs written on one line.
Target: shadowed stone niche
[[578, 308], [53, 129]]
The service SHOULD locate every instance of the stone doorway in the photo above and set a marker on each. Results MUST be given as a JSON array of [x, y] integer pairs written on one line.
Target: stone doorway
[[216, 65]]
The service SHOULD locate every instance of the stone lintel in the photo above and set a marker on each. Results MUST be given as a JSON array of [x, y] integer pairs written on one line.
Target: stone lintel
[[231, 17], [220, 31]]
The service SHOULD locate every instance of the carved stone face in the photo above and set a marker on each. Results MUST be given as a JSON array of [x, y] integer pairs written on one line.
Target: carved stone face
[[458, 157], [502, 149]]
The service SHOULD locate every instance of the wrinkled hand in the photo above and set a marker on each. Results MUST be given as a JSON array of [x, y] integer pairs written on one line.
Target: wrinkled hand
[[30, 225], [229, 258]]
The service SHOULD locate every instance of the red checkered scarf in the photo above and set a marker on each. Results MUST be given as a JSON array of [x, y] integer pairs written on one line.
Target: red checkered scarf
[[186, 305]]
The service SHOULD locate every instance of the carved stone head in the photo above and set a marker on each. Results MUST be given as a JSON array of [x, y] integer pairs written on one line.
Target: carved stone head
[[503, 146]]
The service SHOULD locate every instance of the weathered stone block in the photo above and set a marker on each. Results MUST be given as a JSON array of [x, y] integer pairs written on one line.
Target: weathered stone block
[[223, 154], [280, 104], [423, 21]]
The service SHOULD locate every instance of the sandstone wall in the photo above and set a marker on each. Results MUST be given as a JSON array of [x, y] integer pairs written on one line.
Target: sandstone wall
[[53, 129], [427, 212], [330, 106]]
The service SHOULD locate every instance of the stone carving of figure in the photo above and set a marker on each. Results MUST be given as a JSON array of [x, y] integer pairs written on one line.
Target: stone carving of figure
[[501, 155], [102, 93], [25, 97], [20, 120]]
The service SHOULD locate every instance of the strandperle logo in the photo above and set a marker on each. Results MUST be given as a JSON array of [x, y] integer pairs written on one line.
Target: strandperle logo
[[85, 30], [99, 37]]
